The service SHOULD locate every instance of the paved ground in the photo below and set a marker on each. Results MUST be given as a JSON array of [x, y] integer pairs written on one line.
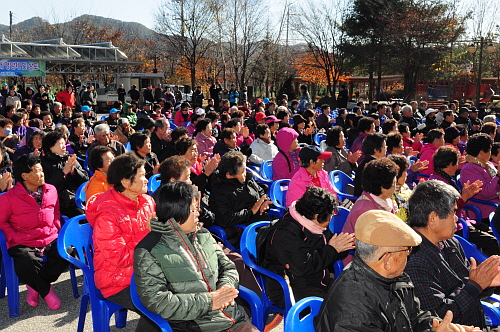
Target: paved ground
[[42, 319]]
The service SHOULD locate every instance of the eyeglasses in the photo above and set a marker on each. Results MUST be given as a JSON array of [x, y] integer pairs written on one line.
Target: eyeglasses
[[409, 249]]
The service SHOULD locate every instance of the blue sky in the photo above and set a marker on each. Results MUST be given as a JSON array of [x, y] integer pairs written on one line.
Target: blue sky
[[56, 11]]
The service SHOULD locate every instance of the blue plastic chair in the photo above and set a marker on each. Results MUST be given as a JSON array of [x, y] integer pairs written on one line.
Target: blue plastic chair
[[104, 117], [257, 177], [10, 281], [412, 159], [79, 236], [296, 322], [492, 225], [157, 319], [86, 164], [336, 225], [221, 234], [266, 170], [248, 247], [339, 181], [154, 183], [172, 124], [80, 196], [277, 193], [127, 147], [318, 138], [246, 294], [492, 312]]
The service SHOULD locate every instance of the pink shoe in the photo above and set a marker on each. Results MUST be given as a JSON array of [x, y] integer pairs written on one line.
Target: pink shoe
[[32, 297], [53, 302]]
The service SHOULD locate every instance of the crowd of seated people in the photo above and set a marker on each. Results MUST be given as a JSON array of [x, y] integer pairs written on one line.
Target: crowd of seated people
[[202, 165]]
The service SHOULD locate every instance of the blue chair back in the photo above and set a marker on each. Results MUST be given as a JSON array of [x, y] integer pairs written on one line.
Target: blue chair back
[[248, 246], [277, 194], [136, 300], [318, 138], [296, 321], [154, 183], [493, 227], [172, 124], [338, 220], [471, 250], [86, 164], [78, 235], [266, 170], [221, 234], [339, 181], [256, 176], [80, 196], [127, 147], [104, 117], [412, 159]]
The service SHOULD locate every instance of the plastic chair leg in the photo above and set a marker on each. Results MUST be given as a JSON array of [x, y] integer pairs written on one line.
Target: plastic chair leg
[[73, 281], [12, 294], [84, 303], [121, 318], [100, 316], [2, 281]]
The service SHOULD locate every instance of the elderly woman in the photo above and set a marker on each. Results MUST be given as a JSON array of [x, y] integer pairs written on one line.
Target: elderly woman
[[120, 219], [236, 198], [477, 167], [194, 290], [374, 147], [341, 159], [140, 144], [311, 173], [34, 138], [124, 130], [102, 156], [204, 138], [445, 166], [287, 162], [366, 126], [63, 171], [187, 148], [263, 148], [435, 139], [302, 246], [30, 220], [379, 180]]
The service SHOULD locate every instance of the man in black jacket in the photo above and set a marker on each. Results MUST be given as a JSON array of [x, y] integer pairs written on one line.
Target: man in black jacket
[[374, 294]]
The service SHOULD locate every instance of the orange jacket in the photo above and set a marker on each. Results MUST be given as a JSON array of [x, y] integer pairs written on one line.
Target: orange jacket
[[98, 183]]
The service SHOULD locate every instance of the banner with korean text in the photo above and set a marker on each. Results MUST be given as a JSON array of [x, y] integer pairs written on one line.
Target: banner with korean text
[[28, 68]]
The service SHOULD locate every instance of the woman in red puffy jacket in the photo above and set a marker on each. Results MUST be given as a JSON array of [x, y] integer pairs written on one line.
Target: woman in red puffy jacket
[[120, 218]]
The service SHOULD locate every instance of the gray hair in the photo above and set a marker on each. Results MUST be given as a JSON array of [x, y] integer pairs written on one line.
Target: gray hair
[[56, 103], [489, 118], [406, 108], [370, 253], [367, 252], [161, 122], [431, 196], [233, 109], [282, 108], [101, 128]]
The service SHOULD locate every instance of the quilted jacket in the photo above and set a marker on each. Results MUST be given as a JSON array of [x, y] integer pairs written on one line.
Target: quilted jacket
[[119, 224]]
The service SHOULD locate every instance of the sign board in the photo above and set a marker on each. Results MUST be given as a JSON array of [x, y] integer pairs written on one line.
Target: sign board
[[28, 68]]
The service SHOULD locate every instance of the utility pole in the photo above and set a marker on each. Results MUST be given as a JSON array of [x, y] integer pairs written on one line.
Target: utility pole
[[10, 30]]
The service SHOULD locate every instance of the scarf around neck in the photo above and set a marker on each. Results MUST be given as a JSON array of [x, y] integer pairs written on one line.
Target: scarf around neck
[[310, 225], [473, 160]]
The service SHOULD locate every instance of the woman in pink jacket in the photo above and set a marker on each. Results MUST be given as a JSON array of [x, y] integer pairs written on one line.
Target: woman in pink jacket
[[287, 162], [203, 137], [30, 220], [310, 174]]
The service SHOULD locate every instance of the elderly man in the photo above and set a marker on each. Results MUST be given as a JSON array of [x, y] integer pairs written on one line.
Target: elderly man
[[443, 277], [103, 137], [158, 138], [374, 294]]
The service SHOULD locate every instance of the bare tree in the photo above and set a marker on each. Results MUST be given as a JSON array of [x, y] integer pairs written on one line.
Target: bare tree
[[184, 25], [320, 29]]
